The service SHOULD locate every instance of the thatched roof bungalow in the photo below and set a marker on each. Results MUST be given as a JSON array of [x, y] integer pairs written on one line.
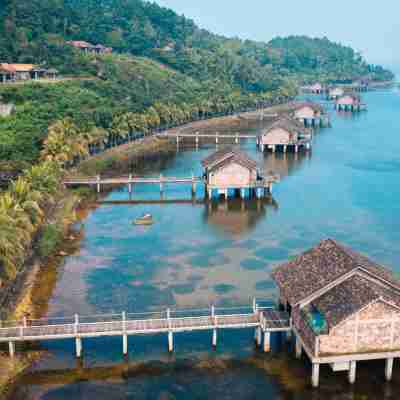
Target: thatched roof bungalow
[[285, 132], [230, 170], [345, 308]]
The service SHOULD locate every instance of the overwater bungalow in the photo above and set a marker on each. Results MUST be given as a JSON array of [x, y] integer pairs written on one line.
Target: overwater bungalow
[[231, 173], [344, 308], [310, 114], [335, 93], [316, 88], [350, 102], [285, 134]]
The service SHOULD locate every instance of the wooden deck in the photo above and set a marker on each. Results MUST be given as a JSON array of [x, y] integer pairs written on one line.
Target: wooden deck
[[263, 319]]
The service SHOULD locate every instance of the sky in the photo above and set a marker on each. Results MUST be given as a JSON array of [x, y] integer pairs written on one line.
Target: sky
[[369, 26]]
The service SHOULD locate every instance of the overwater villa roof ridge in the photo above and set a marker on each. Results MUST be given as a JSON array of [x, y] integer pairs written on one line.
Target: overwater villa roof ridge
[[323, 265], [225, 154]]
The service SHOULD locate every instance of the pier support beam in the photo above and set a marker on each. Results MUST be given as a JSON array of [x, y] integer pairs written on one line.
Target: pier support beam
[[389, 369], [267, 342], [258, 336], [11, 349], [98, 184], [125, 344], [299, 348], [170, 341], [78, 347], [352, 372], [315, 375], [214, 338], [124, 336], [130, 184]]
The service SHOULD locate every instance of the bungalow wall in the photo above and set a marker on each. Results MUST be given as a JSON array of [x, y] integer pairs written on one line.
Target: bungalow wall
[[279, 136], [232, 175], [376, 328]]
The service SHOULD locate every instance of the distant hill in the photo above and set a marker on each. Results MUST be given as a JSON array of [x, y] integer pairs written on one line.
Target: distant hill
[[159, 56], [36, 30]]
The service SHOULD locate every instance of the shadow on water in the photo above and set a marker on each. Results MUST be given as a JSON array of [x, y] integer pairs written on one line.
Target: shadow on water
[[237, 216]]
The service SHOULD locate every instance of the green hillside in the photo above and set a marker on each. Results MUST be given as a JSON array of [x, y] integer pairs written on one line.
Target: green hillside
[[159, 57]]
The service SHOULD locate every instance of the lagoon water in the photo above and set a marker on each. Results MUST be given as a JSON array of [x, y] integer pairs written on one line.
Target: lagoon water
[[347, 188]]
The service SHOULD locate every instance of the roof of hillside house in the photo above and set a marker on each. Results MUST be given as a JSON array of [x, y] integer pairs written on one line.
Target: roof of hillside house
[[80, 44], [288, 124], [350, 297], [228, 155], [322, 265], [302, 104], [13, 68]]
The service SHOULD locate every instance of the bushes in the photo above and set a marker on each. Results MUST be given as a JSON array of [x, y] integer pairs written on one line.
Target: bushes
[[50, 239]]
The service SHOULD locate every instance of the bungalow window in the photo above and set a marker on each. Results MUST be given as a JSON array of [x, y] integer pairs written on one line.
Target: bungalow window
[[317, 320]]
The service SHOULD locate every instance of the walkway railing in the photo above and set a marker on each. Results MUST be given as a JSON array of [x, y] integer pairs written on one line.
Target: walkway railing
[[263, 318]]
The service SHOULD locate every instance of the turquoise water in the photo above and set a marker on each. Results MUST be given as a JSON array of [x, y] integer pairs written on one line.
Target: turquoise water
[[347, 188]]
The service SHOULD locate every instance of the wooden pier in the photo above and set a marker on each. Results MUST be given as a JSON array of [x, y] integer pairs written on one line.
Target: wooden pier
[[131, 180], [264, 320], [217, 137], [266, 181]]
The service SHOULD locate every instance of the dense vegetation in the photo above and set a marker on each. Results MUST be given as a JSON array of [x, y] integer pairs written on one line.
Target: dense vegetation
[[165, 71]]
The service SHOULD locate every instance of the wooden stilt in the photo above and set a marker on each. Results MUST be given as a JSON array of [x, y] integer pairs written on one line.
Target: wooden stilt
[[98, 184], [214, 338], [170, 341], [78, 347], [315, 375], [267, 342], [11, 349], [389, 369], [258, 336], [299, 348], [352, 372]]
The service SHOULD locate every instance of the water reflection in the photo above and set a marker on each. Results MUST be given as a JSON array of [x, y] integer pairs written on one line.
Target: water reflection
[[284, 164], [236, 216]]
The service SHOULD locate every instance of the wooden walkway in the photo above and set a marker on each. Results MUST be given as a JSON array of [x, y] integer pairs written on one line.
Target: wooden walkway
[[263, 319], [98, 182]]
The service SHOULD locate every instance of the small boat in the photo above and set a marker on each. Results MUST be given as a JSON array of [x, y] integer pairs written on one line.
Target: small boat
[[146, 219]]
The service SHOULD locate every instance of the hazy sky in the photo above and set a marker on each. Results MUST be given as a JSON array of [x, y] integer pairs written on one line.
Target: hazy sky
[[370, 26]]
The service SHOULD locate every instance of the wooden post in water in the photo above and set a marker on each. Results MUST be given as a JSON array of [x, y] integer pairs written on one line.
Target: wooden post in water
[[193, 186], [124, 335], [389, 369], [11, 349], [214, 318], [161, 185], [299, 348], [170, 334], [130, 185], [78, 339], [98, 184], [216, 139]]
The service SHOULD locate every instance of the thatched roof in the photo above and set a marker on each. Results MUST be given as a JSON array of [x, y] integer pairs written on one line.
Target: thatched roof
[[288, 124], [350, 297], [226, 156], [321, 266], [298, 105]]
